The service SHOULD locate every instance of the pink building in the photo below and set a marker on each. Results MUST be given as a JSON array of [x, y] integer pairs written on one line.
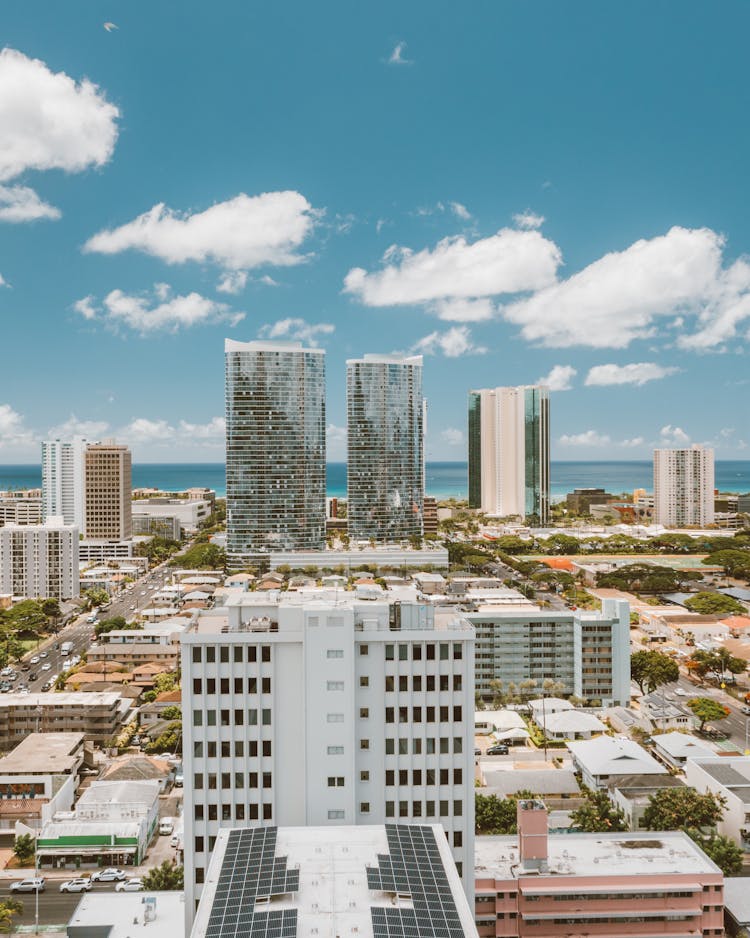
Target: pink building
[[603, 885]]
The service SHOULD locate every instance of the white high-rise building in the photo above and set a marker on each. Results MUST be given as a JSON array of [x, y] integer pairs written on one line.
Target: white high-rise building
[[321, 708], [509, 452], [684, 486], [39, 561], [64, 480]]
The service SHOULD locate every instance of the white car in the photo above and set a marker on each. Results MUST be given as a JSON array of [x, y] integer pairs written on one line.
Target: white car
[[46, 666], [680, 692], [130, 885], [28, 885], [109, 875], [83, 884], [34, 660], [42, 654]]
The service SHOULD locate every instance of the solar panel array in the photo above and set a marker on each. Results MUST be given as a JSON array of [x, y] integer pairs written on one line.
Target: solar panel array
[[250, 871], [414, 867]]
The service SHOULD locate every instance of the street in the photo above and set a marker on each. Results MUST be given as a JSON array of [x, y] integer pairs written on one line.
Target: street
[[55, 907], [736, 724]]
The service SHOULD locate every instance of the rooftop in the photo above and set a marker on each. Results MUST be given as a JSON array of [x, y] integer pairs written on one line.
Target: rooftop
[[607, 855], [69, 699], [682, 745], [614, 755], [335, 882], [732, 774], [144, 791], [129, 914], [53, 753]]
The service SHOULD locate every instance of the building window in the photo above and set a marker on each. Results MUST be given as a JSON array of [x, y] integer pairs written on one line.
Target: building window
[[267, 812], [458, 839], [443, 809], [253, 812], [197, 685], [267, 779], [197, 749], [252, 685], [237, 655], [364, 713], [238, 685], [457, 651], [403, 683], [266, 717], [458, 776], [211, 654], [252, 654], [198, 812], [335, 653], [265, 653], [335, 718], [239, 812], [224, 685], [364, 650], [197, 656], [389, 683], [389, 712], [266, 685], [457, 682], [390, 809], [416, 682], [458, 744], [198, 781], [266, 747], [336, 815], [389, 649], [364, 681], [364, 776], [364, 744], [334, 685], [213, 813], [197, 718], [335, 781], [335, 750], [390, 747], [390, 777], [364, 807]]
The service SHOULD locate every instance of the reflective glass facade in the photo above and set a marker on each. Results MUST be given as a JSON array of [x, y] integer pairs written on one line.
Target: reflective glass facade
[[385, 412], [536, 454], [275, 439], [475, 449]]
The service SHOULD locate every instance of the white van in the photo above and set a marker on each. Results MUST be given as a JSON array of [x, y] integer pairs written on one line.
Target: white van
[[166, 825]]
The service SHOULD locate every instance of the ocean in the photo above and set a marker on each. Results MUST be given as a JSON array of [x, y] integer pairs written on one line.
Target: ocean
[[443, 479]]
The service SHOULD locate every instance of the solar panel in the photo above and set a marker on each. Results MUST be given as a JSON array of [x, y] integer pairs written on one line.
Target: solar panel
[[414, 867], [250, 871]]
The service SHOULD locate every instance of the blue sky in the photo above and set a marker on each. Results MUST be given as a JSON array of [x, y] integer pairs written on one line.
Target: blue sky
[[518, 190]]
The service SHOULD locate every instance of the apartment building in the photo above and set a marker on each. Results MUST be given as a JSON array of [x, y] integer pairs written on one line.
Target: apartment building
[[603, 885], [321, 709], [397, 880], [39, 560], [97, 715], [23, 507], [63, 480], [108, 484], [684, 486], [385, 447], [509, 452], [588, 653]]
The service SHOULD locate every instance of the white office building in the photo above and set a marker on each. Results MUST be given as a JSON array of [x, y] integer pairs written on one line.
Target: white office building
[[509, 452], [64, 480], [319, 708], [684, 487], [39, 561]]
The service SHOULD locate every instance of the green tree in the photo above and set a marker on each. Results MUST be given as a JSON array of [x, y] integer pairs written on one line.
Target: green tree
[[708, 603], [94, 597], [707, 709], [51, 609], [201, 557], [8, 908], [716, 663], [724, 852], [651, 669], [27, 616], [110, 624], [166, 681], [168, 877], [672, 809], [732, 562], [493, 815], [171, 713], [24, 848], [598, 814]]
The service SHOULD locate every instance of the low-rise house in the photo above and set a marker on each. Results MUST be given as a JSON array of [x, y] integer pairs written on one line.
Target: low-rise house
[[728, 776], [737, 904], [544, 706], [571, 724], [150, 713], [140, 768], [626, 719], [666, 714], [551, 784], [607, 885], [632, 793], [604, 758], [676, 748]]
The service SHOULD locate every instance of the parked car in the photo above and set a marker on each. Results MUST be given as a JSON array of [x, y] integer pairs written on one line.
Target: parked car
[[498, 750], [109, 875], [131, 885], [28, 885], [477, 751], [82, 884]]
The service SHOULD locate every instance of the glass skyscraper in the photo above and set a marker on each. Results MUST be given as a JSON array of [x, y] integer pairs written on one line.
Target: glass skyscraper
[[508, 433], [385, 473], [275, 440]]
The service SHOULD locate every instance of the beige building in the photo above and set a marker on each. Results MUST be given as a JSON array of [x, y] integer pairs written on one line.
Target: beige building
[[108, 492], [97, 715]]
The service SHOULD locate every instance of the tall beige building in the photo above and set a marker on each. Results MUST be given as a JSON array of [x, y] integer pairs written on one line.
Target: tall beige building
[[684, 486], [108, 492]]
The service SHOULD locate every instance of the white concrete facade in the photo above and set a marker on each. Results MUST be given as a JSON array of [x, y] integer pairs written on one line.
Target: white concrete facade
[[684, 486], [63, 480], [729, 777], [313, 710], [39, 560]]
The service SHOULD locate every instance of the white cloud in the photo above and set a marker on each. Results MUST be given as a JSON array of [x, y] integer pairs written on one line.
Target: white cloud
[[559, 378], [3, 282], [464, 310], [268, 281], [19, 203], [73, 427], [452, 436], [453, 343], [507, 262], [215, 429], [622, 296], [233, 281], [673, 436], [397, 56], [633, 443], [460, 211], [143, 430], [638, 373], [587, 438], [160, 312], [49, 121], [528, 220], [240, 234], [13, 430], [298, 330], [335, 434]]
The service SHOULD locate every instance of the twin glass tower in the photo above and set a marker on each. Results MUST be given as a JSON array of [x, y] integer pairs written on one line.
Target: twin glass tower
[[276, 452]]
